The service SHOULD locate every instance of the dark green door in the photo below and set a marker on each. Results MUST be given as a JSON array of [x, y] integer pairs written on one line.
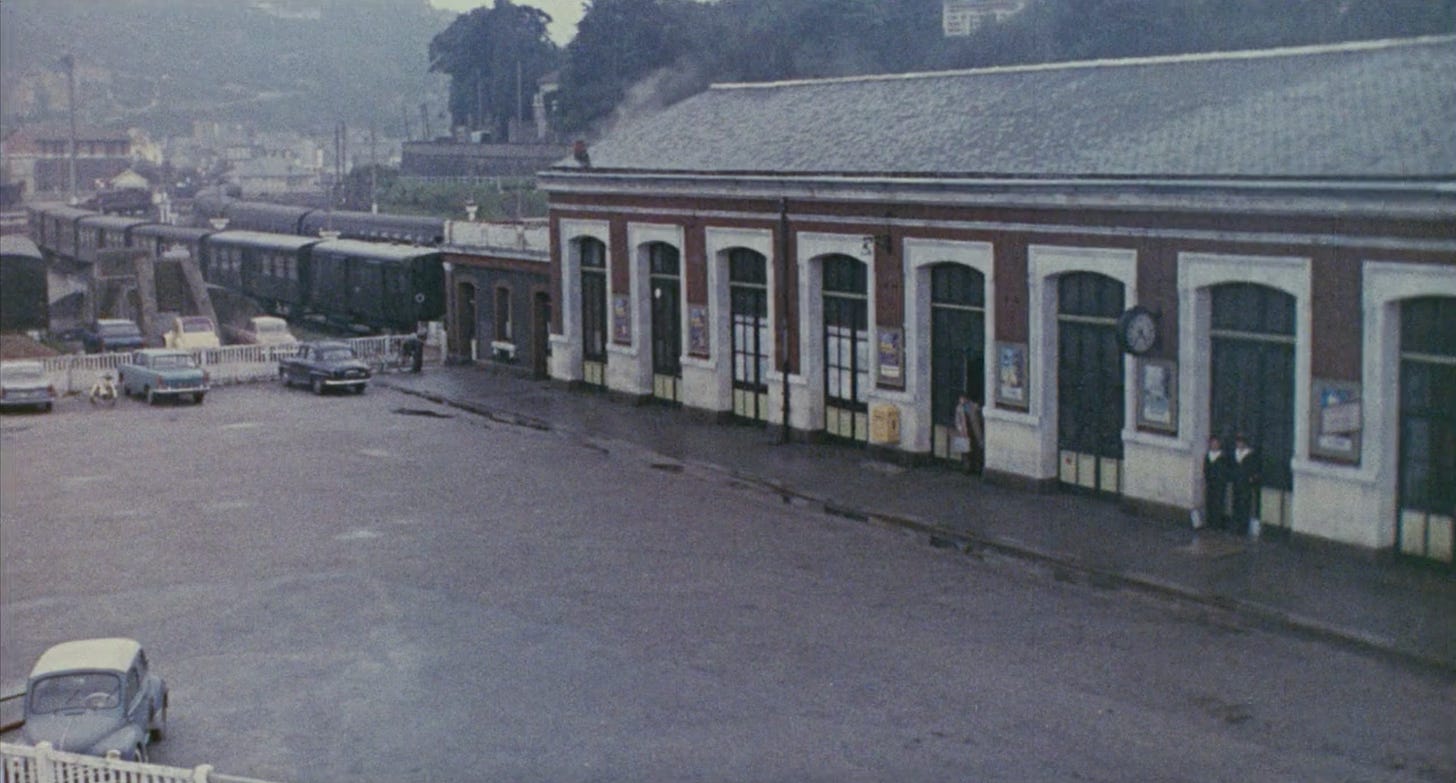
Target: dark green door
[[846, 349], [1252, 386], [594, 312], [1089, 382], [748, 308], [1427, 484], [957, 345], [665, 283]]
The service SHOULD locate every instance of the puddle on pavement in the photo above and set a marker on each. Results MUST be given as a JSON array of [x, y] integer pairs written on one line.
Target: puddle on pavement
[[423, 412]]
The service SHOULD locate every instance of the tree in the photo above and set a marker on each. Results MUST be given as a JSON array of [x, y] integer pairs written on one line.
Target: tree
[[494, 58]]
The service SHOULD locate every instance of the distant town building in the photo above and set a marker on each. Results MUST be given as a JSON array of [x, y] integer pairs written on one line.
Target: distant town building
[[39, 159], [963, 17]]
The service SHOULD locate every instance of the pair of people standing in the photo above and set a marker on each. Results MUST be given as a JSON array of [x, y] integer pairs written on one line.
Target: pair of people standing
[[1231, 479], [969, 439]]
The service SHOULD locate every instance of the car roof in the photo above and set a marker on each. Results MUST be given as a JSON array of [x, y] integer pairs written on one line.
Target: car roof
[[24, 364], [114, 321], [111, 654]]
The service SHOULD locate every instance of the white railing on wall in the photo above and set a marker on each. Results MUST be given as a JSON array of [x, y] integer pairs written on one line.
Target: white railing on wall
[[77, 373], [44, 764]]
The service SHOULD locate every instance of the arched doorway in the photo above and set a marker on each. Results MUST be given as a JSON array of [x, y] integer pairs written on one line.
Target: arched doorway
[[748, 311], [1090, 393], [1252, 336], [957, 347], [1427, 440], [593, 311], [664, 277], [846, 348], [465, 346]]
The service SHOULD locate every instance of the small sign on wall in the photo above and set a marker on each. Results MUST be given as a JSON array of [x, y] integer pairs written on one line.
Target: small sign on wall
[[1158, 395], [1011, 385], [621, 319], [698, 340], [891, 349], [1337, 420]]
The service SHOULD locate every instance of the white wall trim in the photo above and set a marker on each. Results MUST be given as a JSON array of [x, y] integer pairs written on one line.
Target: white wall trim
[[567, 350], [812, 248]]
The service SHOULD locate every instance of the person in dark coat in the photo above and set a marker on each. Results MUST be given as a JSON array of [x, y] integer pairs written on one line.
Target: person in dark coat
[[417, 351], [1215, 486], [1245, 474]]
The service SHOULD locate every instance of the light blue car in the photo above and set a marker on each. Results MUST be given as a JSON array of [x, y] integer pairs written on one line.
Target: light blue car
[[155, 373], [95, 696]]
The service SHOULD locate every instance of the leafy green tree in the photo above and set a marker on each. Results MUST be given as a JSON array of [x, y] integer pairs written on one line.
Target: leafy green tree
[[494, 58]]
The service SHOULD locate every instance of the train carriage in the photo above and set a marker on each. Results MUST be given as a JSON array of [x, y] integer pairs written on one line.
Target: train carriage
[[265, 217], [96, 233], [160, 240], [54, 227], [24, 302], [379, 286], [269, 268], [407, 229]]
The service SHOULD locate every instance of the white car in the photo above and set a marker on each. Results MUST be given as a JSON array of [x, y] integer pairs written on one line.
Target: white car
[[191, 331], [23, 384], [261, 330]]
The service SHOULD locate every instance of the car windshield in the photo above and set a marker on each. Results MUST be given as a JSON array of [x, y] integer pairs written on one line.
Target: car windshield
[[196, 325], [120, 330], [173, 362], [22, 372], [338, 355], [80, 691]]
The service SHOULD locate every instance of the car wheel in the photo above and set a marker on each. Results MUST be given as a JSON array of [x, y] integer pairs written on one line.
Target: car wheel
[[283, 377], [318, 385], [197, 398], [141, 753], [47, 407], [158, 729], [359, 389], [151, 395]]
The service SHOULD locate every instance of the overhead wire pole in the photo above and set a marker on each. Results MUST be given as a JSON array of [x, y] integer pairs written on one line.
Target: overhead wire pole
[[70, 63], [783, 295]]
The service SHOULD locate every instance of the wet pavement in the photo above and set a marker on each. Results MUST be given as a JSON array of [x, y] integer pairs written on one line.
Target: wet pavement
[[1388, 606]]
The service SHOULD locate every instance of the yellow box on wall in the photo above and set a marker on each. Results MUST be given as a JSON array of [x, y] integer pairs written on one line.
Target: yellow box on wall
[[885, 424]]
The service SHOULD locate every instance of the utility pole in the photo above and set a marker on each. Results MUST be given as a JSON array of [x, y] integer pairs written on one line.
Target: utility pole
[[70, 63], [783, 295], [373, 174]]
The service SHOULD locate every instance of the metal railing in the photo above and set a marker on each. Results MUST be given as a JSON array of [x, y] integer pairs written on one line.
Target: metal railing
[[44, 764], [77, 373]]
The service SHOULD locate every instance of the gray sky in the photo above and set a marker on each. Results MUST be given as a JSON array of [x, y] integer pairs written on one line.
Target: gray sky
[[564, 13]]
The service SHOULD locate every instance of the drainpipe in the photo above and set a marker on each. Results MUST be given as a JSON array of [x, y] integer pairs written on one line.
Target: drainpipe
[[784, 310]]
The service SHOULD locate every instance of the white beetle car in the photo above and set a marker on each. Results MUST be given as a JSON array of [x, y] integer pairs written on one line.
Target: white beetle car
[[94, 696]]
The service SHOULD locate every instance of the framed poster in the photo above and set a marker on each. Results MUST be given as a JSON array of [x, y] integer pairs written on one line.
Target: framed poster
[[698, 330], [1157, 407], [1011, 383], [891, 346], [1337, 420], [621, 319]]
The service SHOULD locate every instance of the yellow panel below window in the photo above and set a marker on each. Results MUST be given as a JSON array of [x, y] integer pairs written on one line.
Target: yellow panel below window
[[1439, 535], [861, 430], [1413, 532], [1067, 470], [1274, 507], [1087, 471], [594, 373], [1111, 475]]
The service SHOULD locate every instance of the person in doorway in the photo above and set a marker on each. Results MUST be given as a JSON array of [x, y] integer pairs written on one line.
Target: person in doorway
[[1246, 477], [969, 439], [1215, 485]]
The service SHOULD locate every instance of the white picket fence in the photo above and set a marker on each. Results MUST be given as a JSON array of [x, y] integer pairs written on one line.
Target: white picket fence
[[77, 373], [44, 764]]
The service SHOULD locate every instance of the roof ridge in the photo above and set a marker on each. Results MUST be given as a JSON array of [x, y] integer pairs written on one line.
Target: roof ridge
[[1116, 62]]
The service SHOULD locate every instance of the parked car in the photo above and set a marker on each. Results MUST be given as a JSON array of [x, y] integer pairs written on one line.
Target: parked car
[[191, 331], [325, 365], [96, 695], [163, 372], [112, 335], [261, 330], [23, 384]]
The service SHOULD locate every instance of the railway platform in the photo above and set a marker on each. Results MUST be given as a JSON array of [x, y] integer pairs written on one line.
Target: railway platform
[[1366, 601]]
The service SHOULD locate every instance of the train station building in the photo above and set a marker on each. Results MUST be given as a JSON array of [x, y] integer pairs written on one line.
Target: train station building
[[1113, 261]]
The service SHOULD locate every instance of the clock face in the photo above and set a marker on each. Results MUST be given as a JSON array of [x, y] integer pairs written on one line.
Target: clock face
[[1139, 331]]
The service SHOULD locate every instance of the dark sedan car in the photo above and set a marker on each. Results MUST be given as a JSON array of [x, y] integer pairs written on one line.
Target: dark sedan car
[[325, 365], [112, 335]]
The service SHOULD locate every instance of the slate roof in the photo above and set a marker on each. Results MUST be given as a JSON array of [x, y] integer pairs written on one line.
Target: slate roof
[[1377, 109]]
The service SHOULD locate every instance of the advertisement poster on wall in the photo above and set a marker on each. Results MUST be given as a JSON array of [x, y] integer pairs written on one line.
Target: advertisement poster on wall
[[698, 330], [892, 356], [1335, 433], [621, 319], [1011, 375]]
